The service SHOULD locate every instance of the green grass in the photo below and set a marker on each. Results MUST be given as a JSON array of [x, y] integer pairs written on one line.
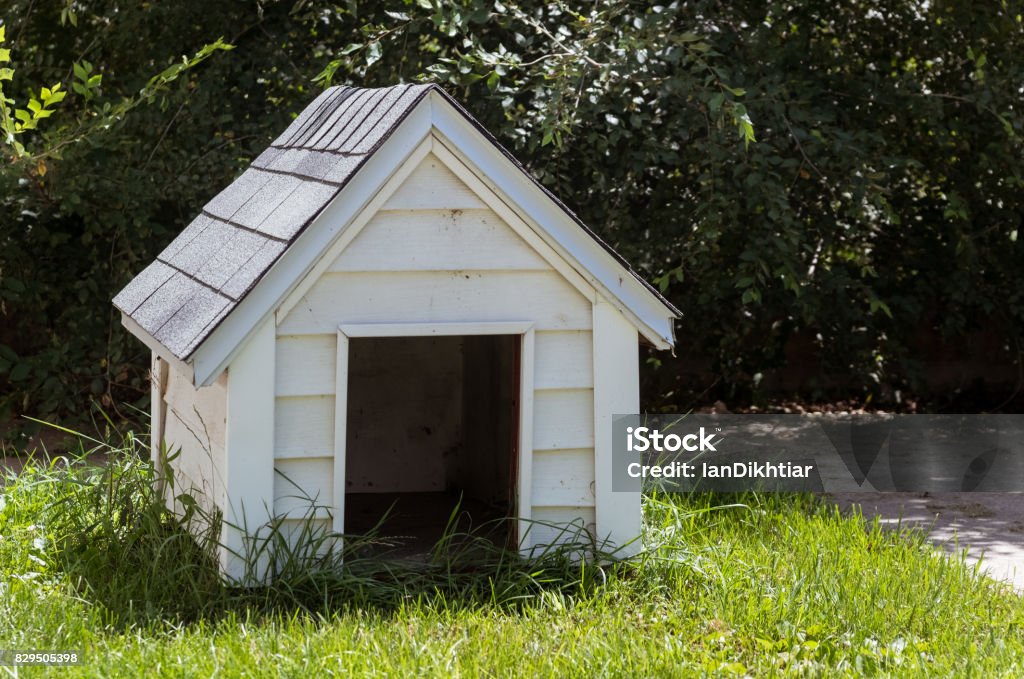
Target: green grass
[[758, 585]]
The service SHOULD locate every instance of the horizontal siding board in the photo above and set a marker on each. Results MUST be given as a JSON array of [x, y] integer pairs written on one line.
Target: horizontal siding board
[[438, 240], [422, 297], [563, 419], [304, 427], [311, 533], [303, 486], [564, 360], [553, 525], [563, 478], [305, 365], [433, 185]]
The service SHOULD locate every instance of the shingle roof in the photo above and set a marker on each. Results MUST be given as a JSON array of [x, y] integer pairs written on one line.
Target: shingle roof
[[205, 272]]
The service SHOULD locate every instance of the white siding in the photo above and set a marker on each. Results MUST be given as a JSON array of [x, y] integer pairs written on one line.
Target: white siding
[[438, 240], [563, 478], [564, 360], [438, 296], [299, 530], [553, 525], [194, 429], [433, 186], [563, 418], [305, 365], [305, 427], [302, 486]]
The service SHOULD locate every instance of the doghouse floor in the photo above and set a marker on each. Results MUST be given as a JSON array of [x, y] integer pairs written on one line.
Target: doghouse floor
[[417, 520]]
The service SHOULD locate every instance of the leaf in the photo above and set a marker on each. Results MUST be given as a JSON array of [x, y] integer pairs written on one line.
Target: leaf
[[715, 103], [877, 304], [19, 372], [373, 53], [80, 71], [6, 73], [3, 33], [5, 55], [492, 80]]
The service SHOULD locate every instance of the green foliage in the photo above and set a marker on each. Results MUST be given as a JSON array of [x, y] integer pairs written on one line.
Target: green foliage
[[850, 174]]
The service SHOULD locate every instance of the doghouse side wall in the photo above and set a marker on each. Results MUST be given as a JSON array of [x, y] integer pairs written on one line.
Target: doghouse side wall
[[192, 423], [436, 253]]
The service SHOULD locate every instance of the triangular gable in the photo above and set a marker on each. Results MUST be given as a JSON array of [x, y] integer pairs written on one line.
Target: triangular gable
[[411, 191], [336, 162]]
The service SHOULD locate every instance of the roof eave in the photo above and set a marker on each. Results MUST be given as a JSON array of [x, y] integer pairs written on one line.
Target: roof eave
[[181, 366]]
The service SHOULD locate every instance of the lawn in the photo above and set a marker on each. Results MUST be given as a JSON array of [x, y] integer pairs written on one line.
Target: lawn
[[754, 585]]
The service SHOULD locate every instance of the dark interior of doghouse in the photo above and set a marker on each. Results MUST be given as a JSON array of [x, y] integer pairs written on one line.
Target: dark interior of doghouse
[[432, 425]]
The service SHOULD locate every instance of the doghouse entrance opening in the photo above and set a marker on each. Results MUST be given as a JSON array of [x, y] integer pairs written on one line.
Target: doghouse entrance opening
[[433, 423]]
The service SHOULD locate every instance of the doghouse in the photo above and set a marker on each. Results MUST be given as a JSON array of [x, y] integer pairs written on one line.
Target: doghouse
[[386, 306]]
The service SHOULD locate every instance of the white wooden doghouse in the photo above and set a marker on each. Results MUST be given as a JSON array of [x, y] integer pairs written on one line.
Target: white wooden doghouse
[[385, 305]]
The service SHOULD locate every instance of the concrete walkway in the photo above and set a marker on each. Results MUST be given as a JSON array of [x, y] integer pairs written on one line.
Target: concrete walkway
[[989, 525]]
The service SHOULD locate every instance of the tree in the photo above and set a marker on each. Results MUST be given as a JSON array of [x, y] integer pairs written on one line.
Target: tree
[[846, 173]]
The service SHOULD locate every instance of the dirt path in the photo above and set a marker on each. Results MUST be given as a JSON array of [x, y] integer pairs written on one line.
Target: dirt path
[[989, 525]]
